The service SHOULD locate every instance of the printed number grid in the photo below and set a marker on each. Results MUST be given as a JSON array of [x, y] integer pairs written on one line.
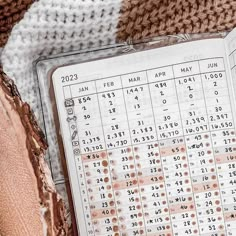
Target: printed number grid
[[155, 151]]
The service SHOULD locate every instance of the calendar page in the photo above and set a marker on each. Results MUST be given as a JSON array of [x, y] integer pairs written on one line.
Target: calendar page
[[149, 139]]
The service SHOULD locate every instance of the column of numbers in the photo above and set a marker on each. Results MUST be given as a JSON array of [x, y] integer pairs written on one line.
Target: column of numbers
[[199, 149], [222, 135], [71, 119]]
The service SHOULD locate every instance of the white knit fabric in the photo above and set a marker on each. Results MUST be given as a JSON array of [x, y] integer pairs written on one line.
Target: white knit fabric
[[54, 26]]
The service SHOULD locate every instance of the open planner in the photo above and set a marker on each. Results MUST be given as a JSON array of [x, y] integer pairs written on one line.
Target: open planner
[[150, 140]]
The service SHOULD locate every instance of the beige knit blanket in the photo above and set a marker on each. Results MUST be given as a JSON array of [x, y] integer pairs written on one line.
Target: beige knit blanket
[[146, 18]]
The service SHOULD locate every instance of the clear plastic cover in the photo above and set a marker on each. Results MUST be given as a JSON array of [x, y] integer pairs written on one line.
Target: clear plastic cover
[[48, 117]]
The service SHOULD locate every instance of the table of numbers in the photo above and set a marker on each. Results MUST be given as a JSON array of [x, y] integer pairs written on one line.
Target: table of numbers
[[155, 151]]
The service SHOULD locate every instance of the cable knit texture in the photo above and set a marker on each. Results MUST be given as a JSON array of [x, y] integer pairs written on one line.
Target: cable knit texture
[[55, 26], [11, 11], [146, 18]]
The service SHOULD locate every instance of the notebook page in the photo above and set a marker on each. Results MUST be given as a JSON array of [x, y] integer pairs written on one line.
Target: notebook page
[[149, 139]]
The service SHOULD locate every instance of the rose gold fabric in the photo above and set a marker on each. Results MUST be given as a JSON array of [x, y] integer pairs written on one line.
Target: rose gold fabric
[[19, 203]]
